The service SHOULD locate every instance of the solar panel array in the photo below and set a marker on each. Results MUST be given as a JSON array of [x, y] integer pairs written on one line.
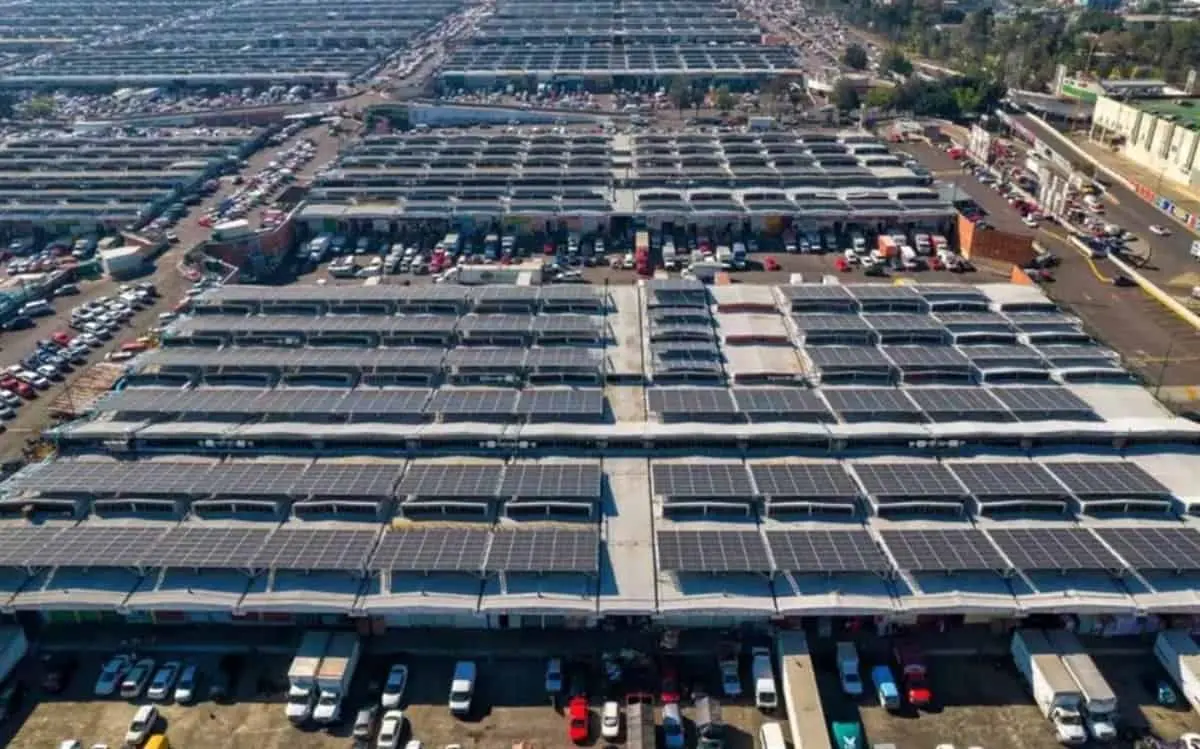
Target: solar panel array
[[942, 550], [1053, 549], [820, 551], [1150, 548], [364, 404]]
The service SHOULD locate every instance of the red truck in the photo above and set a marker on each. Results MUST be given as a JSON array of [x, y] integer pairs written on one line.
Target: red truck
[[913, 675], [641, 255]]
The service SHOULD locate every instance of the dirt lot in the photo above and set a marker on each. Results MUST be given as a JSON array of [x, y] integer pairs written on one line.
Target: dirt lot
[[981, 702]]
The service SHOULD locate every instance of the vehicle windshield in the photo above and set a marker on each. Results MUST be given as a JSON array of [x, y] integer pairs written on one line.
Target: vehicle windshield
[[395, 680], [137, 725], [1070, 719], [610, 720], [459, 696], [329, 699]]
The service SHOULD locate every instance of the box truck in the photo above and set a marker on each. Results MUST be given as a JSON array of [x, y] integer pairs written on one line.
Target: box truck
[[1179, 655], [765, 695], [302, 675], [334, 676], [1053, 689], [1099, 700]]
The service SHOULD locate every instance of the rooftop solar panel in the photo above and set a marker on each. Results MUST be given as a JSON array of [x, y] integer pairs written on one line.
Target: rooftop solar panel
[[1095, 478], [690, 401], [942, 550], [993, 479], [545, 550], [1053, 549], [701, 480], [564, 403], [346, 480], [193, 546], [21, 545], [818, 480], [786, 403], [712, 551], [321, 549], [487, 402], [99, 546], [1043, 403], [552, 481], [847, 357], [1152, 548], [819, 551], [450, 480], [435, 549], [880, 402], [907, 480], [957, 403]]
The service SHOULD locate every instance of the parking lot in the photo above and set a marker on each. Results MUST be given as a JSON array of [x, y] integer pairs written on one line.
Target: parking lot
[[511, 705]]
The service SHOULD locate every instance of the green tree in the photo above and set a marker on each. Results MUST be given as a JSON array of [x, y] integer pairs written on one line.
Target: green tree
[[894, 61], [881, 98], [855, 57], [844, 96], [40, 107], [724, 99]]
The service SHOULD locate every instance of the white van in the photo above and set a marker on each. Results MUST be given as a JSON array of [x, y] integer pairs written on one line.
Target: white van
[[462, 687], [770, 736]]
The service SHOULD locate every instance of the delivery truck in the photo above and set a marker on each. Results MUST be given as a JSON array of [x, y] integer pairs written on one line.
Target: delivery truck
[[1054, 691], [1099, 700], [334, 676], [302, 676], [1177, 652]]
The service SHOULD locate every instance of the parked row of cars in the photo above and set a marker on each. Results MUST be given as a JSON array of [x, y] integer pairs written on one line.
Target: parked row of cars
[[255, 190]]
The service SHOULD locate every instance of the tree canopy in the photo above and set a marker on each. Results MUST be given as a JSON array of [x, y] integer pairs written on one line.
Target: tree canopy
[[855, 57]]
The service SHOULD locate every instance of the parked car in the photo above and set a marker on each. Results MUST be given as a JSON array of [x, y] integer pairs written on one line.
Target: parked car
[[185, 688], [364, 722], [554, 676], [137, 678], [390, 730], [577, 719], [610, 720], [141, 725], [110, 675], [163, 683]]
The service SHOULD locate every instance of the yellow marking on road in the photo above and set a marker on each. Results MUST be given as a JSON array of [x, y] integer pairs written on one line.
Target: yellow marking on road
[[1085, 255], [1112, 198]]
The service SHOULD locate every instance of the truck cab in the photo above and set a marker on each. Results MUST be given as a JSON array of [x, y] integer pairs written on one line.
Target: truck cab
[[462, 688], [846, 734], [885, 688]]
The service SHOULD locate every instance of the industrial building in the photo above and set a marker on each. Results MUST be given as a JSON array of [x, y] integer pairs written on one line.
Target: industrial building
[[275, 42], [617, 45], [1161, 134], [574, 456], [544, 182], [99, 183]]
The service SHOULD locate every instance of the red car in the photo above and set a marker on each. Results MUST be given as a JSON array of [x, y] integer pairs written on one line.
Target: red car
[[670, 685], [61, 338], [842, 265], [577, 719], [770, 263]]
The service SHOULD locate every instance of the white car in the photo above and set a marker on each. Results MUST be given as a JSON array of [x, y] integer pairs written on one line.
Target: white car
[[110, 675], [185, 688], [554, 676], [1030, 222], [1160, 231], [390, 729], [393, 690], [136, 679], [141, 725], [164, 681], [610, 720]]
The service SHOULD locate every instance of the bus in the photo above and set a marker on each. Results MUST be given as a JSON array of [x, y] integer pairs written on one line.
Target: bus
[[641, 254]]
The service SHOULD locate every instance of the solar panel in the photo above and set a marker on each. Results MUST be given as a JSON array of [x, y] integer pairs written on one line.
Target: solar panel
[[784, 403], [1042, 403], [553, 480], [562, 402], [847, 357], [815, 322], [802, 480], [1149, 548], [942, 550], [485, 358], [703, 480], [545, 550], [907, 480], [901, 322], [714, 551], [564, 357], [1047, 549], [1107, 479], [208, 547], [1013, 480], [441, 549], [450, 480], [324, 549], [818, 551], [347, 480], [473, 401], [21, 545], [95, 546], [944, 403], [385, 402], [690, 401], [873, 402], [924, 357]]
